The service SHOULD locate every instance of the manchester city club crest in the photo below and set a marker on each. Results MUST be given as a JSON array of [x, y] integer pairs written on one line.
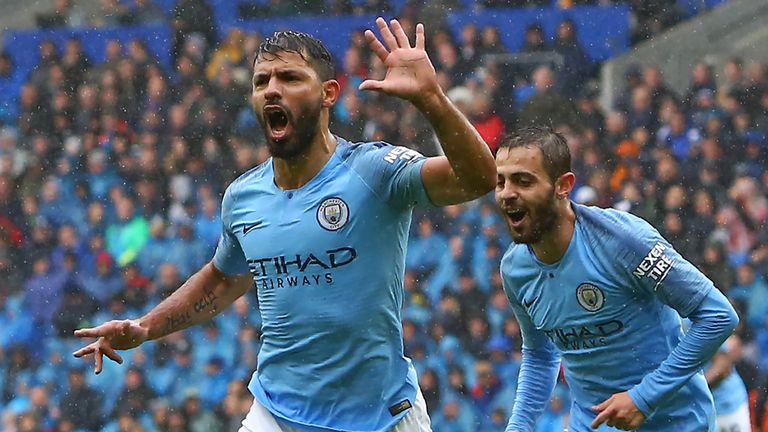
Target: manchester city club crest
[[590, 297], [332, 214]]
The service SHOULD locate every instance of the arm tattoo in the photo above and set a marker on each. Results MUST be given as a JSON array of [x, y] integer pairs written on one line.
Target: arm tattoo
[[208, 298], [174, 321]]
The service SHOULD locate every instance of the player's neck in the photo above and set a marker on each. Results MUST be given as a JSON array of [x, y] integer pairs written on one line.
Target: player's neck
[[555, 243], [296, 172]]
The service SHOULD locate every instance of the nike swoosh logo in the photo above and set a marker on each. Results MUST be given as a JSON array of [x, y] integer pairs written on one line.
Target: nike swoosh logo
[[528, 304], [250, 227]]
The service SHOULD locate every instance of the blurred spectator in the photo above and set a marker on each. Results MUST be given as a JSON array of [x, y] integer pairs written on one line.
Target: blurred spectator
[[62, 15], [81, 404], [126, 238], [190, 17], [547, 106], [143, 12], [577, 66], [752, 289], [197, 419]]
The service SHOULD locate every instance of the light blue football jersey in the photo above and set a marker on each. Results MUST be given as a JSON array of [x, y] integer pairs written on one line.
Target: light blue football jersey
[[731, 393], [328, 260], [610, 308]]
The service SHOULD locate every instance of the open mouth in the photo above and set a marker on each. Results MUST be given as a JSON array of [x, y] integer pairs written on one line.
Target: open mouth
[[277, 119], [516, 215]]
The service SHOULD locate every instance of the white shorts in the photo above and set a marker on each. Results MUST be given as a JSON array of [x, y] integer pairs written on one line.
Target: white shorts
[[737, 421], [259, 419]]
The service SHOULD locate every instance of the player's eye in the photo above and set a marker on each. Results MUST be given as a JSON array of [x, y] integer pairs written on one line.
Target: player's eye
[[259, 81]]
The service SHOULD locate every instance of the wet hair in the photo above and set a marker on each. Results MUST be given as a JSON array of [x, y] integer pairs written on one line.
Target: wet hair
[[307, 46], [557, 155]]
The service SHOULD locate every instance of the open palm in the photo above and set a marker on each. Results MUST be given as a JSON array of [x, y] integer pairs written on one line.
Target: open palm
[[410, 74]]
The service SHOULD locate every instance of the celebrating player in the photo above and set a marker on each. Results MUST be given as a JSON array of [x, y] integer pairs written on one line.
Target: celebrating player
[[602, 290], [321, 230]]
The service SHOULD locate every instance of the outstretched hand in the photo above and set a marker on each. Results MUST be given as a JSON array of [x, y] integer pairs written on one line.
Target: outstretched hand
[[410, 74], [112, 335]]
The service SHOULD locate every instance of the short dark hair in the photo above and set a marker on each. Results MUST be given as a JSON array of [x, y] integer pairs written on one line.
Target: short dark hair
[[307, 46], [553, 146]]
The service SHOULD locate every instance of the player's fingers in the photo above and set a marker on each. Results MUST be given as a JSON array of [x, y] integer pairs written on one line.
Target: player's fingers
[[402, 38], [99, 361], [386, 34], [112, 354], [376, 46], [420, 44], [603, 405], [601, 418], [84, 351], [373, 85], [88, 332]]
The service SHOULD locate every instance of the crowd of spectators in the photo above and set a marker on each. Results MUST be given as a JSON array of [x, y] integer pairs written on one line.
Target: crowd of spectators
[[110, 182]]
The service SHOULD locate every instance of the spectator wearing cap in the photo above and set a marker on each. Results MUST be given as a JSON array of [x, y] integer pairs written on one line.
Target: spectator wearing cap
[[105, 282], [81, 404]]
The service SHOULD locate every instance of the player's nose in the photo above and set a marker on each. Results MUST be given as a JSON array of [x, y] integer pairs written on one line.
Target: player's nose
[[507, 193], [273, 90]]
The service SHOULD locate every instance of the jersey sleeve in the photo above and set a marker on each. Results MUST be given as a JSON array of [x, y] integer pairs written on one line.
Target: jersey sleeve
[[392, 172], [229, 257], [658, 269], [538, 371]]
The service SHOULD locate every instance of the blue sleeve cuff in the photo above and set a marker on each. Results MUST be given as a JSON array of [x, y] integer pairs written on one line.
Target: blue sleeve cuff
[[640, 402]]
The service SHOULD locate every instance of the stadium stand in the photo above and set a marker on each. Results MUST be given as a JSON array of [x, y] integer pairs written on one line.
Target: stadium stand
[[117, 141]]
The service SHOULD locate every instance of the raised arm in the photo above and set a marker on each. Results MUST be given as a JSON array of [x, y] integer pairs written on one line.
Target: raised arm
[[467, 170], [201, 297]]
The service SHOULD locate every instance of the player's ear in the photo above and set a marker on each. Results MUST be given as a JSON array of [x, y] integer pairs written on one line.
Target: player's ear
[[331, 93], [564, 185]]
